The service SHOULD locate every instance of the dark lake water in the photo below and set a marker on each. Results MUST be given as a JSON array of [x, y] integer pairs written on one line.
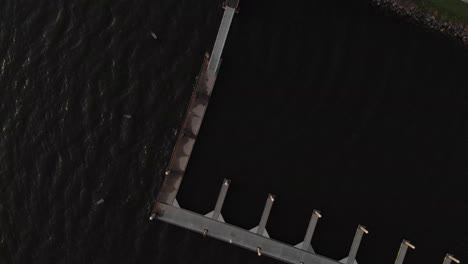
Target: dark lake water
[[331, 105]]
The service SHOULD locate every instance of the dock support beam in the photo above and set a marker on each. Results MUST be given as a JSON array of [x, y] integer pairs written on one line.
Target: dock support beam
[[361, 230], [265, 214], [221, 197], [310, 230], [402, 252]]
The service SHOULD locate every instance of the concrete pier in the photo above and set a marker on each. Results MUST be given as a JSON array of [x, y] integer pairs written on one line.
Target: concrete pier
[[213, 224], [238, 236], [196, 110]]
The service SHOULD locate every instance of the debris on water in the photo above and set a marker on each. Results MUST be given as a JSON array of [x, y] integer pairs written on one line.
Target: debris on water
[[154, 35], [128, 116], [100, 201]]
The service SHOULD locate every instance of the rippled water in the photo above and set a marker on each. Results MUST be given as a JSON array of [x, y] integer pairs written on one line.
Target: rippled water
[[91, 100], [88, 109]]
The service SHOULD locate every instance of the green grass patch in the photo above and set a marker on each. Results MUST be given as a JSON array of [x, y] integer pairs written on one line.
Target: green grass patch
[[449, 10]]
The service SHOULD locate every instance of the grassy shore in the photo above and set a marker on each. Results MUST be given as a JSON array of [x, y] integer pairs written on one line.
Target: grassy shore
[[450, 10]]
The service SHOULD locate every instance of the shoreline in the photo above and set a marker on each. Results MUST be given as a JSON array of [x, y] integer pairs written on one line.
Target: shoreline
[[410, 10]]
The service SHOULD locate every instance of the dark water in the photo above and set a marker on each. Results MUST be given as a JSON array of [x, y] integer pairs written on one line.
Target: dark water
[[330, 105], [69, 73]]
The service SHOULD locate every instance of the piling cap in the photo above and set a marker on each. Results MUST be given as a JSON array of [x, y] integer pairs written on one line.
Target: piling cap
[[452, 258], [318, 213], [272, 197], [407, 243], [364, 229]]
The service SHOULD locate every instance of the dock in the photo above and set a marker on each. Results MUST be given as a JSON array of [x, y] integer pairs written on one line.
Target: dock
[[257, 239]]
